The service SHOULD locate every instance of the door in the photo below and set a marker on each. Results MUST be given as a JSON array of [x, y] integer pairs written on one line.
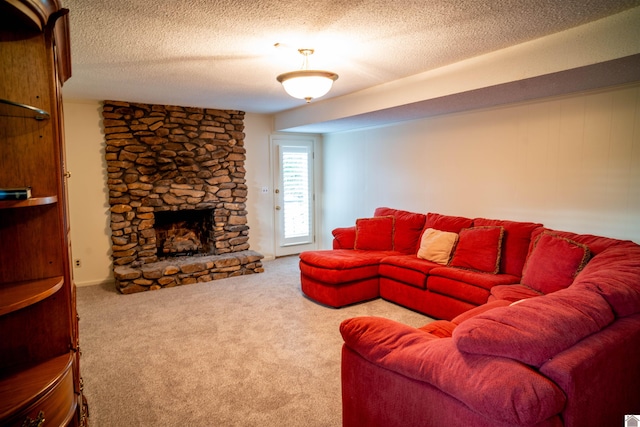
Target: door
[[294, 199]]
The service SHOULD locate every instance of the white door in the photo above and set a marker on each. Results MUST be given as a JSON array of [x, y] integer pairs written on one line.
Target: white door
[[294, 200]]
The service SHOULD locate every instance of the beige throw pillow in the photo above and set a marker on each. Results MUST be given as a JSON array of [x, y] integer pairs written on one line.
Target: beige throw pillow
[[436, 245]]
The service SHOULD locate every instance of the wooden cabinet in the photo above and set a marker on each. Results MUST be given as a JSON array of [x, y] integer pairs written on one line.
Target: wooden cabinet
[[39, 357]]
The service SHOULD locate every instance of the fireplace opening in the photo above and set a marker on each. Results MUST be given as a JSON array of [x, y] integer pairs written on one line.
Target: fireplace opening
[[184, 233]]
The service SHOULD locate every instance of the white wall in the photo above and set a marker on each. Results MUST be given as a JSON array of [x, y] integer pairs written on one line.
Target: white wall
[[571, 163], [260, 214], [88, 193]]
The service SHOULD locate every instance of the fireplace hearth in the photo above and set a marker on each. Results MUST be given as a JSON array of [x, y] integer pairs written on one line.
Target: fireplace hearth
[[177, 192]]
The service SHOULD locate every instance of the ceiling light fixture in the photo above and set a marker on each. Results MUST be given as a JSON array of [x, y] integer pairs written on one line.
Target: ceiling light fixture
[[307, 84]]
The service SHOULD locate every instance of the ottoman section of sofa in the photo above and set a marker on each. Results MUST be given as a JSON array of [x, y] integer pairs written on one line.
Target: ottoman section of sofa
[[341, 277]]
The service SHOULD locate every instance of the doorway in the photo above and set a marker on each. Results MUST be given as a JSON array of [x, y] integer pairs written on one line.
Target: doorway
[[294, 193]]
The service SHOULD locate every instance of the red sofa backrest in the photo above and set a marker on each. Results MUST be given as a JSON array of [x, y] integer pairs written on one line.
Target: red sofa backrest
[[408, 228], [596, 244], [450, 223]]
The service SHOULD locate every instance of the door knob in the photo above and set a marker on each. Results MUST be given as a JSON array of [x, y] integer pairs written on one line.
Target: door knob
[[277, 208]]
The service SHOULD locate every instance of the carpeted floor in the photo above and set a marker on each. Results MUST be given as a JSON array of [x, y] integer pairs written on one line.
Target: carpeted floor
[[244, 351]]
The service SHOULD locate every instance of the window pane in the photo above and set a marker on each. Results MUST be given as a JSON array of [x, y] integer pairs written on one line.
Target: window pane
[[295, 170]]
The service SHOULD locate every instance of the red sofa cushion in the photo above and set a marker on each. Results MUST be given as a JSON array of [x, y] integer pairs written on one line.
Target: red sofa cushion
[[498, 388], [456, 291], [475, 278], [439, 328], [513, 292], [339, 266], [407, 269], [553, 263], [515, 243], [408, 227], [447, 222], [444, 328], [344, 237], [479, 310], [479, 249], [535, 329], [374, 234]]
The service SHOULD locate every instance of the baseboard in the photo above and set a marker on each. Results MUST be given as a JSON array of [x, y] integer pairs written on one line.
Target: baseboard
[[109, 282]]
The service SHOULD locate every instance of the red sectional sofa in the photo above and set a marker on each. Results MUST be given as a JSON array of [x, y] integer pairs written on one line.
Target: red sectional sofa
[[370, 261], [556, 344]]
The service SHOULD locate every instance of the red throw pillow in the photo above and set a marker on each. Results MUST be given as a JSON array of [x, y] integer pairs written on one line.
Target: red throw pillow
[[345, 237], [374, 234], [553, 263], [479, 249], [515, 243]]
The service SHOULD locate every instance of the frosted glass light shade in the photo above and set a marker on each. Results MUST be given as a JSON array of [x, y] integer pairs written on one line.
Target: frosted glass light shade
[[307, 84]]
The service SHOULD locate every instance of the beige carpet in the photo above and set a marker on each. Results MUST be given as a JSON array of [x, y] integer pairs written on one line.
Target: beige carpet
[[245, 351]]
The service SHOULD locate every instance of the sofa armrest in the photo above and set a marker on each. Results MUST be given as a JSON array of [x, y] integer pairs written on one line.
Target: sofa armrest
[[600, 375], [344, 237], [499, 388]]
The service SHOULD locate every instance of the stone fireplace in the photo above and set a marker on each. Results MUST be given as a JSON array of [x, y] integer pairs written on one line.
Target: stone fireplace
[[177, 194]]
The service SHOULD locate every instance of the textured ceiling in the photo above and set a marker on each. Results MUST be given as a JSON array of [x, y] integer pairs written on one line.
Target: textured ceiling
[[221, 53]]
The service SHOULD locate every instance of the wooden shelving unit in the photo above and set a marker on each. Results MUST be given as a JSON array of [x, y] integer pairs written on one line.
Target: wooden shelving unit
[[39, 354]]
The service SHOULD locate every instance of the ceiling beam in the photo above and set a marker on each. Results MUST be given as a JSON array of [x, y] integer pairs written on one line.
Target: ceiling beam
[[595, 55]]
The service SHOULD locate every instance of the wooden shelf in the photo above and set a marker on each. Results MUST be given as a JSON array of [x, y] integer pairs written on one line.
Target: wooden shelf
[[18, 390], [17, 295], [15, 109], [33, 201]]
